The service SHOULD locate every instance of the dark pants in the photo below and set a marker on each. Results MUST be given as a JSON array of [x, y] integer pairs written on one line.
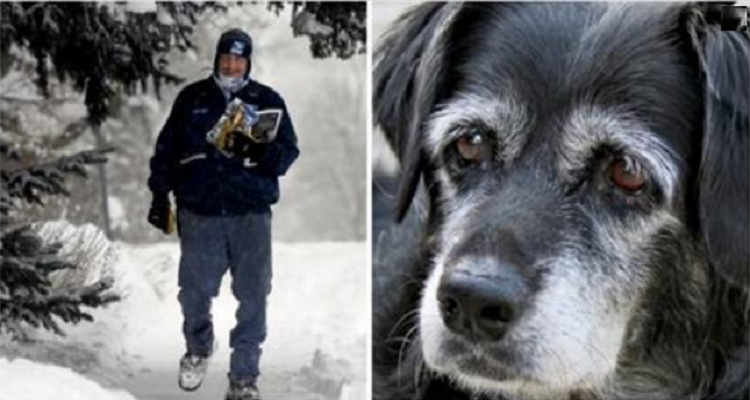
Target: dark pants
[[210, 246]]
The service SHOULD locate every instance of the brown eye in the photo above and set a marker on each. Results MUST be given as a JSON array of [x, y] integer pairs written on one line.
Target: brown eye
[[472, 146], [628, 174]]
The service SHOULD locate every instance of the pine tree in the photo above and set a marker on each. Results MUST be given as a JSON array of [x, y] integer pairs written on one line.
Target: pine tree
[[27, 263], [95, 46], [95, 49], [335, 29]]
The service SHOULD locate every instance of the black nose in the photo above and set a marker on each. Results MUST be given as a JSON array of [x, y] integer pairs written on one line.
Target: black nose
[[479, 307]]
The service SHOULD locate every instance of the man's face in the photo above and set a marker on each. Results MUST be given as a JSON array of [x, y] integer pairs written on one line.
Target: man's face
[[232, 65]]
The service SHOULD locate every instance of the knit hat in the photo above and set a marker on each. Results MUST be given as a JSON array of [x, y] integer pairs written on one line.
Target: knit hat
[[234, 41]]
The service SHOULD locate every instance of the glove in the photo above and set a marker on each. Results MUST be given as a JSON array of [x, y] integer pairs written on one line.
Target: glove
[[243, 146], [256, 151], [160, 213]]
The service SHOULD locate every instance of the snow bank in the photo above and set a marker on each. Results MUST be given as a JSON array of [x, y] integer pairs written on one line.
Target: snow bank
[[85, 246], [95, 349], [26, 380], [141, 7]]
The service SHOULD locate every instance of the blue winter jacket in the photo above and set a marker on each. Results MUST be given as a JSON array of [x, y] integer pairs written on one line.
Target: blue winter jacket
[[204, 180]]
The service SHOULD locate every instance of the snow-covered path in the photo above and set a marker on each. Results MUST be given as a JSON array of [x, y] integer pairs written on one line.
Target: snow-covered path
[[317, 327], [318, 302]]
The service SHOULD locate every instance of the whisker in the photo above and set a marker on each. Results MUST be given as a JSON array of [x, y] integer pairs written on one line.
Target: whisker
[[406, 318], [404, 344]]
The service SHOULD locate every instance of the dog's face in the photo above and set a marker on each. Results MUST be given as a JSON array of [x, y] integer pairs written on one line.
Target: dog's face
[[561, 145]]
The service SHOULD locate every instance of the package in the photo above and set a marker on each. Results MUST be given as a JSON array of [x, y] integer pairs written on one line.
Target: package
[[242, 125]]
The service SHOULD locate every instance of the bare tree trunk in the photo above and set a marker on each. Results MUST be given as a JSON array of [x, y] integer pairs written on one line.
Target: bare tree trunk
[[101, 143]]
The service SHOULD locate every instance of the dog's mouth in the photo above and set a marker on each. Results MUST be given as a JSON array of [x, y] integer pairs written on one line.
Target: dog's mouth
[[463, 360]]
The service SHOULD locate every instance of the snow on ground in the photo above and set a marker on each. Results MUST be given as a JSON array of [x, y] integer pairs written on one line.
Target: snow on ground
[[26, 380], [317, 327]]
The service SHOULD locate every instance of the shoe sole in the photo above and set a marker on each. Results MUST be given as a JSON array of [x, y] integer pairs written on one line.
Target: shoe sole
[[186, 388]]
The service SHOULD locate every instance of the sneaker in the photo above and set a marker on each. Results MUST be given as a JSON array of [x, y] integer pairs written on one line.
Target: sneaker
[[242, 389], [192, 371]]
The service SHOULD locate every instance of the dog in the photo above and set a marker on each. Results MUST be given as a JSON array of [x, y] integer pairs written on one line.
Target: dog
[[574, 183]]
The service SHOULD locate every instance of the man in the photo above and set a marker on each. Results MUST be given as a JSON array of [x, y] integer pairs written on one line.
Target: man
[[223, 211]]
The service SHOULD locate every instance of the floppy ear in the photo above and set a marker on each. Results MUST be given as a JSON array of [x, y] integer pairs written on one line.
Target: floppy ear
[[724, 190], [408, 76]]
